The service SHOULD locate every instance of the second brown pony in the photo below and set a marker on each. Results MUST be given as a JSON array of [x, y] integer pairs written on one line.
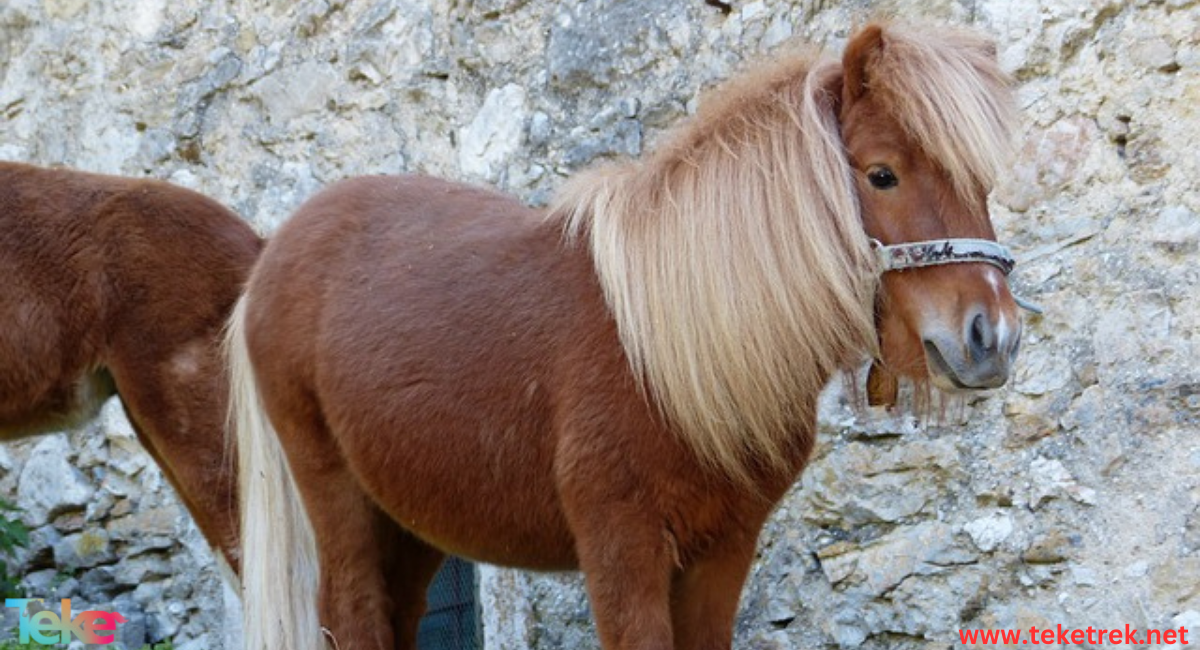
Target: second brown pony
[[626, 385], [120, 285]]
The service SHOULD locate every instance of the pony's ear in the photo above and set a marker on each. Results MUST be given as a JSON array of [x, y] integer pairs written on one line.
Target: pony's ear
[[861, 52]]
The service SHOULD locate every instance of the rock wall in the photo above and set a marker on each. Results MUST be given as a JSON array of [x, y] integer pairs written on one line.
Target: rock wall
[[1069, 497], [108, 532]]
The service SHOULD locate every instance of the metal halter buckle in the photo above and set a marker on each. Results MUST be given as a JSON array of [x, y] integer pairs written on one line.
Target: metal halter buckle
[[936, 252]]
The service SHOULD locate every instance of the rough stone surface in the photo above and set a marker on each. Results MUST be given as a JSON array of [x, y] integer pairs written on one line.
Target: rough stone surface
[[494, 134], [49, 485], [108, 533], [1072, 496]]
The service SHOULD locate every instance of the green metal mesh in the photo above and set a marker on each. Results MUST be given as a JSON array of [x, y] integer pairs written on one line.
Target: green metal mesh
[[451, 621]]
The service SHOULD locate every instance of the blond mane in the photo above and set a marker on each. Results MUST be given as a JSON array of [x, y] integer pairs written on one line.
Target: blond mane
[[953, 99], [733, 258]]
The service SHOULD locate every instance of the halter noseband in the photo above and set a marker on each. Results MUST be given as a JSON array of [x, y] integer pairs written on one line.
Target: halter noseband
[[947, 251]]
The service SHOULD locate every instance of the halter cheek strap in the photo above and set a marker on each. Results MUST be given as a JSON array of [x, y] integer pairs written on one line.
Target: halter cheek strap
[[947, 251]]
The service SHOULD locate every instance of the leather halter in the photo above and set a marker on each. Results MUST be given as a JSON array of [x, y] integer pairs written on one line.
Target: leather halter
[[936, 252]]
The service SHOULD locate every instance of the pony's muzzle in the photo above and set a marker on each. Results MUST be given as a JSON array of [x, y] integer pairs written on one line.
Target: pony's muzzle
[[979, 357]]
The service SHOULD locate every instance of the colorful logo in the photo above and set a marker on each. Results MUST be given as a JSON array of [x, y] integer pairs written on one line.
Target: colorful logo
[[47, 628]]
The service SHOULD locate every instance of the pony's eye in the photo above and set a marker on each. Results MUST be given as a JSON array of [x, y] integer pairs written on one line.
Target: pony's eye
[[882, 177]]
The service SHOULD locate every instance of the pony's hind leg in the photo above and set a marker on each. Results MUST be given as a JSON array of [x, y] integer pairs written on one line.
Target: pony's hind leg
[[354, 603], [349, 531], [374, 574], [410, 565], [300, 500], [704, 597]]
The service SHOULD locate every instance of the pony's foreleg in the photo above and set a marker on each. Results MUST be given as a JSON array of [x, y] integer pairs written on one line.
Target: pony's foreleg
[[704, 597], [627, 563]]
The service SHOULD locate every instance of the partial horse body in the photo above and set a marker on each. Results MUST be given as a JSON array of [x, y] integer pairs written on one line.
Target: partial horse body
[[626, 385], [122, 286]]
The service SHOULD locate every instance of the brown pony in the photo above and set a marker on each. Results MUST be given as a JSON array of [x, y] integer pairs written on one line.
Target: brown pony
[[115, 285], [627, 384]]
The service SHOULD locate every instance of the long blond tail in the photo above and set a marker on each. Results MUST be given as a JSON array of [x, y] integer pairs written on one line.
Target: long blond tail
[[279, 558]]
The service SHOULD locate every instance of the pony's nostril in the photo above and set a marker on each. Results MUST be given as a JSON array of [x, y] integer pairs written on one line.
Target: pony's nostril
[[981, 338]]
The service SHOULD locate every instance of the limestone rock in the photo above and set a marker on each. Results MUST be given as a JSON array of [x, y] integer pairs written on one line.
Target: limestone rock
[[84, 550], [862, 483], [989, 532], [49, 484], [494, 134], [592, 45]]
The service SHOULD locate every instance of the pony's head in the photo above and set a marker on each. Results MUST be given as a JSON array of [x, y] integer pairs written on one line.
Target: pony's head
[[737, 258], [926, 122]]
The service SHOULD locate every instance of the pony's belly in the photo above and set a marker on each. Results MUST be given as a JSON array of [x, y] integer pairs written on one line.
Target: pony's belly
[[542, 553], [502, 532], [67, 408], [489, 503]]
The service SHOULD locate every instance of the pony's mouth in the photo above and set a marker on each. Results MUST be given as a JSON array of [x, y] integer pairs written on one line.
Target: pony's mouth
[[941, 374], [954, 378]]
